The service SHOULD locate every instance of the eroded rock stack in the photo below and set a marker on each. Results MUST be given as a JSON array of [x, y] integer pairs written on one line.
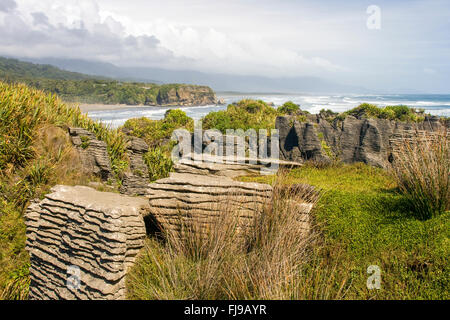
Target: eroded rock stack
[[81, 243]]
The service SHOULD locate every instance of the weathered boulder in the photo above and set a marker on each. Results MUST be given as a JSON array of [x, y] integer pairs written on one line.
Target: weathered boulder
[[351, 140], [81, 243], [93, 153]]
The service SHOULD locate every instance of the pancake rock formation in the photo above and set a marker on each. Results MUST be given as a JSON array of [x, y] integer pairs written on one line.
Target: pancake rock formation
[[81, 243], [350, 140]]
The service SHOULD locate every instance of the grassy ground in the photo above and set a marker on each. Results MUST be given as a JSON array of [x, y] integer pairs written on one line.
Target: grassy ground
[[365, 221]]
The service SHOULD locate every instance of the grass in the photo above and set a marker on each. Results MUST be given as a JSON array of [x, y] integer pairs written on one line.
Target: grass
[[366, 220], [421, 167]]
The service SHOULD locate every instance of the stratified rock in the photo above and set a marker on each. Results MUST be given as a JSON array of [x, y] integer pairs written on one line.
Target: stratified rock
[[196, 200], [81, 232], [93, 153], [231, 167], [351, 140], [136, 180]]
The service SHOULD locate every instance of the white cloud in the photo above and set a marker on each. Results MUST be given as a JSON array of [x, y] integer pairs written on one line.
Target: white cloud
[[324, 38], [82, 29]]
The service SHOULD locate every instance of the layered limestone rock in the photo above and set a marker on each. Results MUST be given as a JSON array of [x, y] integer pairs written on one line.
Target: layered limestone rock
[[195, 200], [93, 153], [136, 180], [351, 140], [82, 242], [187, 95]]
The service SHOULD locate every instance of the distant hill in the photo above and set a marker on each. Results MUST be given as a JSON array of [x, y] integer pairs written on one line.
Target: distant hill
[[16, 69], [79, 87], [217, 81]]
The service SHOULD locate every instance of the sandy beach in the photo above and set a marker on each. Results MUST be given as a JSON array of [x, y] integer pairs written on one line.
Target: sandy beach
[[84, 107]]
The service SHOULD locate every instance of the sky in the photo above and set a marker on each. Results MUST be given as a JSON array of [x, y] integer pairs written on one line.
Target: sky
[[333, 40]]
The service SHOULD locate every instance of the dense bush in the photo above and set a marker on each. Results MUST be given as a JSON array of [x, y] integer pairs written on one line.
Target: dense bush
[[158, 162], [246, 114], [399, 113], [288, 108], [159, 132], [77, 87]]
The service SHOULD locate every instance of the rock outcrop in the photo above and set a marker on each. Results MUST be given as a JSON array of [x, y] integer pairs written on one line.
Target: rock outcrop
[[187, 95], [136, 180], [81, 243], [351, 140], [93, 153]]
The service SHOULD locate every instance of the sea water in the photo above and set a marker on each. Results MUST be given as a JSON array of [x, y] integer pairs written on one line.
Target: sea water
[[436, 104]]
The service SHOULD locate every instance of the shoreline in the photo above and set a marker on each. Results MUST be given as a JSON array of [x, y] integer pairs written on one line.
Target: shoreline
[[87, 107]]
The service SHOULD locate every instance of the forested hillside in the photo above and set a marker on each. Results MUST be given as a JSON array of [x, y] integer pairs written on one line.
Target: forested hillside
[[77, 87]]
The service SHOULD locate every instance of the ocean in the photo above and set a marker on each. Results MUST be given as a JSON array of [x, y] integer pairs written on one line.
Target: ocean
[[436, 104]]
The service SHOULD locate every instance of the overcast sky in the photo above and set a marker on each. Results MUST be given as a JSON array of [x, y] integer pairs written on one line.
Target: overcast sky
[[282, 38]]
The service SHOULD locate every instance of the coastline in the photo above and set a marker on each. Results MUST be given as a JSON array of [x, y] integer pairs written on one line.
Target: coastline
[[86, 107]]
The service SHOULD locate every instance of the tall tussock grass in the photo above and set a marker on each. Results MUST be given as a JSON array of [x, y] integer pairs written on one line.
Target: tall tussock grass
[[270, 258], [23, 110], [421, 167]]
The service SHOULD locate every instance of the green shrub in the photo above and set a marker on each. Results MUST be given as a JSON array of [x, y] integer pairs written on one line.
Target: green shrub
[[246, 114], [158, 132], [288, 108], [158, 162], [398, 113]]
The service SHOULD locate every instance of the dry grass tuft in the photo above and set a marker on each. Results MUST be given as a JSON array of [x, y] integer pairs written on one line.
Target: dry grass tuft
[[230, 261], [421, 167]]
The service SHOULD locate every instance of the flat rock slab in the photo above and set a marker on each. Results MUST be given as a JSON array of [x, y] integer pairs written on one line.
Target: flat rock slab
[[82, 242]]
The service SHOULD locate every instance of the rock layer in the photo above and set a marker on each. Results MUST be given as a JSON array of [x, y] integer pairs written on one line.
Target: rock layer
[[195, 200], [86, 237], [93, 153], [351, 140], [136, 180]]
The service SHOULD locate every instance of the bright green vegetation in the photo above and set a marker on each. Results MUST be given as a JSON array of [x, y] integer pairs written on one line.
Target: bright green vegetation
[[156, 132], [36, 154], [399, 113], [365, 220], [289, 108], [246, 114]]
